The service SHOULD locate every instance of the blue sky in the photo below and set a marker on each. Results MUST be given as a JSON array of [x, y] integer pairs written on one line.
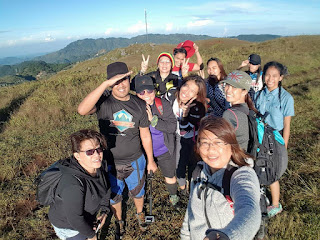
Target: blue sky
[[37, 26]]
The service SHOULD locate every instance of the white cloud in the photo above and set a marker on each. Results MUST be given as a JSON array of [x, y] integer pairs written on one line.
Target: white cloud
[[108, 31], [49, 38], [138, 27], [169, 27], [200, 23]]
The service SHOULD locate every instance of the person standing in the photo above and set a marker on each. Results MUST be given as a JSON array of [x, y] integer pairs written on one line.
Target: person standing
[[254, 64], [278, 106], [215, 91], [163, 127], [124, 122]]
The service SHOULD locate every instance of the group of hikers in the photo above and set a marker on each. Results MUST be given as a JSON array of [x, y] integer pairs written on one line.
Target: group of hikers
[[194, 129]]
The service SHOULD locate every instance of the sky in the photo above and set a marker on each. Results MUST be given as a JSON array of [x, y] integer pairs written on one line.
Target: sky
[[42, 26]]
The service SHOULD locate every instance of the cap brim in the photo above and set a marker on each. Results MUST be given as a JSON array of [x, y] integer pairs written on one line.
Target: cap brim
[[233, 84], [145, 87]]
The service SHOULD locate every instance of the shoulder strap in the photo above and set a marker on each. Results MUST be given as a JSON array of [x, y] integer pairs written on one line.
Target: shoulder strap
[[227, 180], [235, 117], [159, 105]]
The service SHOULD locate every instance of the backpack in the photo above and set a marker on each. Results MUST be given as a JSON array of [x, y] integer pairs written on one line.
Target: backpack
[[267, 146], [47, 183], [196, 176]]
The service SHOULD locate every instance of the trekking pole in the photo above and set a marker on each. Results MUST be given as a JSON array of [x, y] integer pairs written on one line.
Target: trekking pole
[[150, 217]]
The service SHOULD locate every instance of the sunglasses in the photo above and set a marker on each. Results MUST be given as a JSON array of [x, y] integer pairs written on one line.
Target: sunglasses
[[90, 152], [144, 91]]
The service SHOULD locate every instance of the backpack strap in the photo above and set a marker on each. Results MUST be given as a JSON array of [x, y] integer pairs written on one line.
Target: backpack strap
[[227, 179], [159, 105], [235, 117]]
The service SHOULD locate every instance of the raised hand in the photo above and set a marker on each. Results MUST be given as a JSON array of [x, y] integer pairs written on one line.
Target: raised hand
[[244, 63], [186, 106], [201, 73], [144, 64], [112, 81], [185, 67], [196, 48]]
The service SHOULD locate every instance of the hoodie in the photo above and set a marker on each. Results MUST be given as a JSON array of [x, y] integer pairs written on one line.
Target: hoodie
[[78, 200], [241, 222]]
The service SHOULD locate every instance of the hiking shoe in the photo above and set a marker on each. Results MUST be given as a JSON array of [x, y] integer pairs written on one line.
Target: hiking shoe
[[273, 210], [142, 222], [119, 230], [174, 200]]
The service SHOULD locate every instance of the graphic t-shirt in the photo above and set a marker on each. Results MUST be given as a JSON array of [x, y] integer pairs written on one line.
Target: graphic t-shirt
[[119, 122]]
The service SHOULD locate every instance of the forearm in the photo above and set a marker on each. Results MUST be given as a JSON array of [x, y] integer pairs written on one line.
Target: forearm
[[147, 145], [199, 58], [87, 106], [286, 130]]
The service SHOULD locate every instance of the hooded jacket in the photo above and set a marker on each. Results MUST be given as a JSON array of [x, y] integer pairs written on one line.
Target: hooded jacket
[[78, 199], [240, 222]]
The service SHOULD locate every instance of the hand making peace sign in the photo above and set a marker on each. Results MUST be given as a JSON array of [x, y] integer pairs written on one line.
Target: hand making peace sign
[[186, 106], [144, 64], [185, 67]]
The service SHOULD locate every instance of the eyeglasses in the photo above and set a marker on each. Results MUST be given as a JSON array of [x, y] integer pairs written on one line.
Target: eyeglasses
[[90, 152], [207, 145], [149, 91], [165, 62]]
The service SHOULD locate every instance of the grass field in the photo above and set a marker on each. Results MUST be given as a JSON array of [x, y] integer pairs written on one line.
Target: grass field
[[37, 118]]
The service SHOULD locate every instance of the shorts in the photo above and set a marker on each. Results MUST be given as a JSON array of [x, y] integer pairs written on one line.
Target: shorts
[[167, 164], [132, 175]]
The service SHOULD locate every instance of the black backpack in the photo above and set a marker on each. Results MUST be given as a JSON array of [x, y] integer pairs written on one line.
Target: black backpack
[[47, 182], [267, 146]]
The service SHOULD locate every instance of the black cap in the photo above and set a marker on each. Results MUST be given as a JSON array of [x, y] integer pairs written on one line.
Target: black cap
[[116, 68], [143, 83], [254, 59]]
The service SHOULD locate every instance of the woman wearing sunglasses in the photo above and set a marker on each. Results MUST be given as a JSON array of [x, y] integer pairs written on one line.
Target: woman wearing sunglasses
[[219, 208], [163, 127], [83, 190]]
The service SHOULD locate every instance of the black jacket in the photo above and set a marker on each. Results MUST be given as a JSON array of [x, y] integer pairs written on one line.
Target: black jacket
[[78, 199]]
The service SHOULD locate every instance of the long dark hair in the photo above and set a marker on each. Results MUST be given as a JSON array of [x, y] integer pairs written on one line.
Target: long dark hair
[[225, 132], [283, 70], [223, 74], [202, 93]]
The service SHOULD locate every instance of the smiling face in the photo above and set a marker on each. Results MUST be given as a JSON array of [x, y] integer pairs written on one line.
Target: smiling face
[[253, 68], [213, 151], [148, 97], [188, 90], [164, 64], [272, 78], [213, 69], [235, 95], [121, 90], [89, 163], [178, 59]]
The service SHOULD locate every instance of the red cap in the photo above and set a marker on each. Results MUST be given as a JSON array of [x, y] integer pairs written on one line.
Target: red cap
[[188, 45]]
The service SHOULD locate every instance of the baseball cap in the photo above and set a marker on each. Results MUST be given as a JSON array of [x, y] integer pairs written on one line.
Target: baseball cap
[[254, 59], [238, 79], [144, 82], [116, 68]]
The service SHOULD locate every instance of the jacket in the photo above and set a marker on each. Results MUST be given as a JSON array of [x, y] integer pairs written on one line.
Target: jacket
[[240, 222], [78, 199]]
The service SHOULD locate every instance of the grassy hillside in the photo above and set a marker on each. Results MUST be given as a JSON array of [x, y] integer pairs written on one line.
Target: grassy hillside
[[39, 116]]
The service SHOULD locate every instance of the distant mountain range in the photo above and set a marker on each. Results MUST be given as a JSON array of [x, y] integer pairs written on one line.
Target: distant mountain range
[[87, 48], [81, 50], [256, 38]]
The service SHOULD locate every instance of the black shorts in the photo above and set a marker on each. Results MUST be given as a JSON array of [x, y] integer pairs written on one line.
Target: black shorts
[[167, 164]]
